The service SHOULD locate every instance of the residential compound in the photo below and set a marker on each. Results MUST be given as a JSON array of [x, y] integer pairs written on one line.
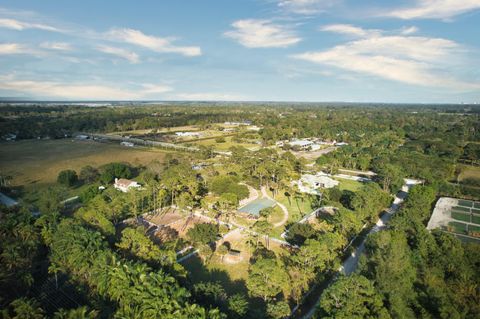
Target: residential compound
[[125, 185], [311, 184], [309, 144]]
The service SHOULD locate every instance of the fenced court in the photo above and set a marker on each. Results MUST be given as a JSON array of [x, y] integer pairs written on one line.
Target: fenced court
[[458, 216], [465, 218], [254, 207]]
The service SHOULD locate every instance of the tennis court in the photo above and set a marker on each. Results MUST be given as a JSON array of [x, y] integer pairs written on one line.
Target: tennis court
[[458, 216], [256, 206]]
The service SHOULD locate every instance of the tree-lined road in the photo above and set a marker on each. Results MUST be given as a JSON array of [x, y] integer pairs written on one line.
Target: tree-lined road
[[350, 265]]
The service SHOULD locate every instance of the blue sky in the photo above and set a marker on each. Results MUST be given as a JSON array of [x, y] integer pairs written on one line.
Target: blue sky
[[271, 50]]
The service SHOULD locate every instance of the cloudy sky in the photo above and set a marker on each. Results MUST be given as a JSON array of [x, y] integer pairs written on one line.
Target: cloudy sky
[[275, 50]]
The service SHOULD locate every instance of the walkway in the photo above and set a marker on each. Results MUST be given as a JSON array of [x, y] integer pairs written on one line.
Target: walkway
[[284, 209]]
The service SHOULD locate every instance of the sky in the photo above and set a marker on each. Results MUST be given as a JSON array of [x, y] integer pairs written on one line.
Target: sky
[[411, 51]]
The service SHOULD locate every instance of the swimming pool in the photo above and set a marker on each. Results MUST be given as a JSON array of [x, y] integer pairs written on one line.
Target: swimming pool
[[256, 206]]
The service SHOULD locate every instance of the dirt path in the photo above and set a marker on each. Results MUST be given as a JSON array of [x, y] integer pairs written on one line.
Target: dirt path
[[284, 209]]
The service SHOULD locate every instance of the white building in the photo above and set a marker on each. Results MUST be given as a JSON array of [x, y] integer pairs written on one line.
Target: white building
[[124, 185], [10, 137], [311, 184], [128, 144], [238, 123], [186, 134], [254, 128], [304, 144]]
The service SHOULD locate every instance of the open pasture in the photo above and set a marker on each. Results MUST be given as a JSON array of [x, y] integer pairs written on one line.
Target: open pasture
[[31, 162]]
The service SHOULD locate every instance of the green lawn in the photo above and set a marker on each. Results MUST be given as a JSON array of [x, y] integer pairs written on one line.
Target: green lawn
[[297, 208], [215, 271], [242, 221], [346, 184], [276, 216], [469, 172]]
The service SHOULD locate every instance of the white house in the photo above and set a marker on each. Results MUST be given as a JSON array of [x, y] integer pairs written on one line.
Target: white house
[[311, 184], [124, 185]]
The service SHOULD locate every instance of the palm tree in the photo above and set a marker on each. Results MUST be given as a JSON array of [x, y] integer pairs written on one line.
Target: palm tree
[[263, 226], [27, 309], [288, 194], [79, 313], [252, 240], [54, 268]]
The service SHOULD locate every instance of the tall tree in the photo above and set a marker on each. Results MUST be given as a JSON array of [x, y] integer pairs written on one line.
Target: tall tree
[[351, 297], [266, 278]]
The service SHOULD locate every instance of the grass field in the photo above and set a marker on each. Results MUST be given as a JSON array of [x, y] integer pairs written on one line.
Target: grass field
[[225, 146], [39, 161], [161, 130], [469, 172], [346, 184], [296, 208]]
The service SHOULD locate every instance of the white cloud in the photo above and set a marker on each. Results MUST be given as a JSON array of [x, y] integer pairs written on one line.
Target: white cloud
[[20, 25], [157, 44], [60, 46], [408, 59], [77, 91], [253, 33], [12, 48], [348, 29], [155, 88], [67, 91], [306, 7], [207, 97], [132, 57], [409, 30], [435, 9]]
